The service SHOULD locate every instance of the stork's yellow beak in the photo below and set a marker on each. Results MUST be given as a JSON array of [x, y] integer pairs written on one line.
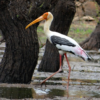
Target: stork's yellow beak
[[35, 21]]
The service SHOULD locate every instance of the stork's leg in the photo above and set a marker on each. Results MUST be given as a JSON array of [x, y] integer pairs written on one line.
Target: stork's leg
[[60, 68], [69, 70]]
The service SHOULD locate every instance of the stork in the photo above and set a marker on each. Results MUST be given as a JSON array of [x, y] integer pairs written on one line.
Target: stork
[[63, 43]]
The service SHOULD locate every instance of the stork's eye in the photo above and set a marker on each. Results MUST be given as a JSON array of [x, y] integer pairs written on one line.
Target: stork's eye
[[45, 15]]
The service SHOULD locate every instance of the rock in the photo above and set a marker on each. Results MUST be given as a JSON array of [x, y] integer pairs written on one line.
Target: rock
[[76, 18], [88, 0], [79, 12], [90, 8], [81, 1], [78, 4], [87, 18]]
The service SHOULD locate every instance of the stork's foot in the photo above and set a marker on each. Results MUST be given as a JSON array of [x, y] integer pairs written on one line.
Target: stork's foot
[[61, 71], [43, 83]]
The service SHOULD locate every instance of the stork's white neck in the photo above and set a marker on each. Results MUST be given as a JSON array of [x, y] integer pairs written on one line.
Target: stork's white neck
[[47, 25]]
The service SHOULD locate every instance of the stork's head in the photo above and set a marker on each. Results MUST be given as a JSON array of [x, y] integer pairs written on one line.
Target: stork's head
[[45, 16]]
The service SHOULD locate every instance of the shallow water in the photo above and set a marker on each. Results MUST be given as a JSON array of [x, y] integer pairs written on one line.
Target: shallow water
[[47, 92], [84, 82]]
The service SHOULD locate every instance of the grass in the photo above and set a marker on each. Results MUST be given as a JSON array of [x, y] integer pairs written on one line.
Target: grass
[[82, 31], [41, 36], [40, 29], [79, 34], [78, 31]]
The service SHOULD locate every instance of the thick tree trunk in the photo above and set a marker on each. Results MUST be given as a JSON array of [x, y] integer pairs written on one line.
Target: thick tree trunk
[[93, 42], [21, 51], [63, 14]]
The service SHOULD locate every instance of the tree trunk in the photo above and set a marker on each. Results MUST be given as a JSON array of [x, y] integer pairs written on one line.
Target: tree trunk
[[21, 53], [63, 12], [93, 42]]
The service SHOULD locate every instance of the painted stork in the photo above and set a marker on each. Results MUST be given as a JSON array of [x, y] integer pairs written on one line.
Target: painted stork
[[63, 43]]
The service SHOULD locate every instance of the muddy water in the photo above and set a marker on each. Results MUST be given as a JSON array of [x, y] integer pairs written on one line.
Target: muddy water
[[42, 93], [84, 82]]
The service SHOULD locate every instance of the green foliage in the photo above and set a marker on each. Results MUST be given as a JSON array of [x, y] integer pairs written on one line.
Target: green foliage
[[17, 16], [97, 8], [97, 11], [30, 8], [41, 5]]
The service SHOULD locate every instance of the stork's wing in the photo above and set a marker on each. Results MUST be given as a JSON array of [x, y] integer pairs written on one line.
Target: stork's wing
[[61, 41]]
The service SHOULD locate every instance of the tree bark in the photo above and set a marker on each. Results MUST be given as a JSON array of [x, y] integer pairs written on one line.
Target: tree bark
[[93, 41], [21, 53], [98, 1], [63, 12]]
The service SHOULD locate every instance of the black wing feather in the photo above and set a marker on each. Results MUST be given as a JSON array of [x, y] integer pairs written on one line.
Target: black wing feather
[[61, 41]]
